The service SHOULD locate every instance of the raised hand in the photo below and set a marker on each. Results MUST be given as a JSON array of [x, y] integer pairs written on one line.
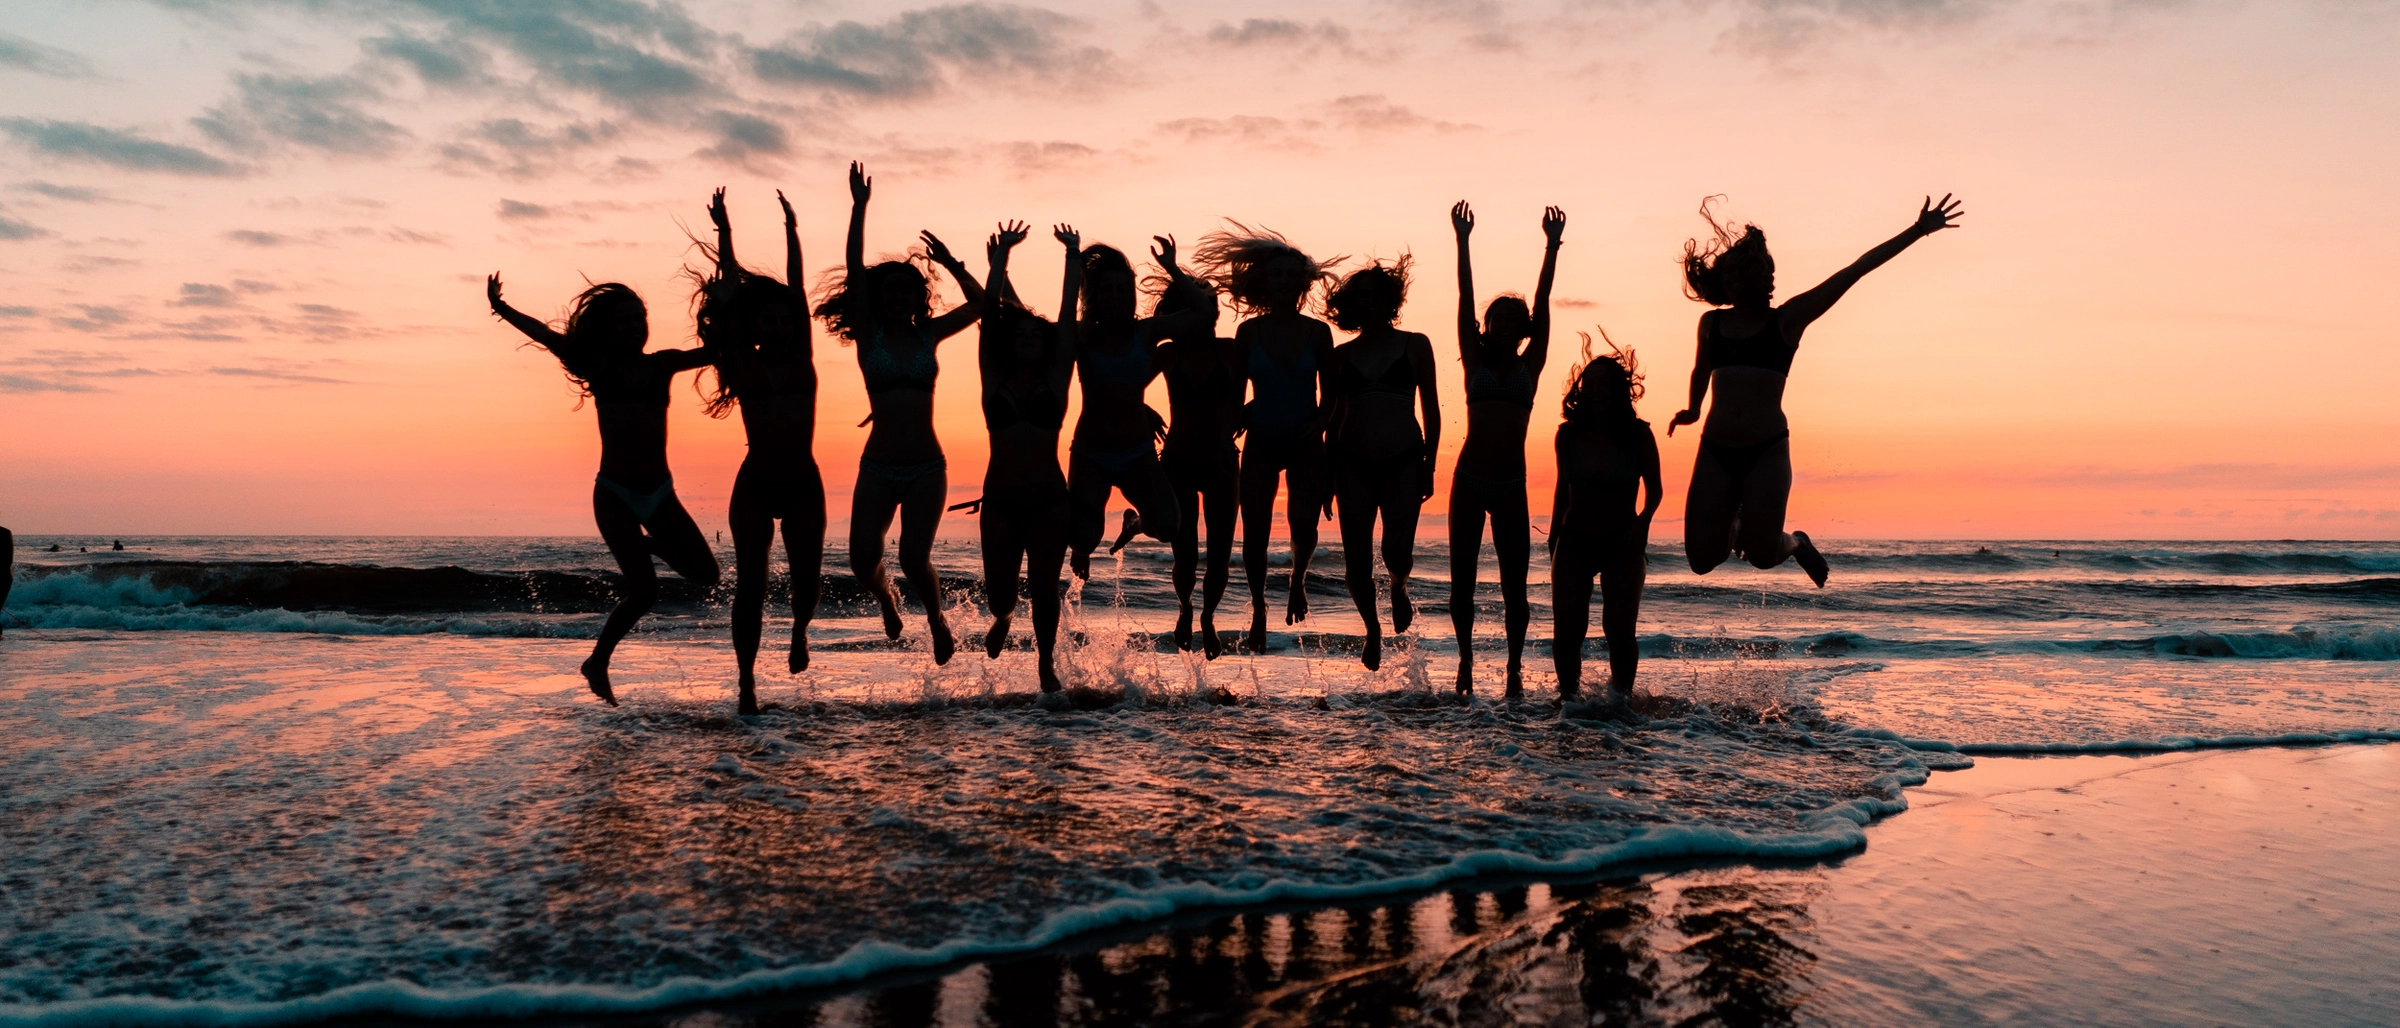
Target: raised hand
[[1164, 252], [1935, 217], [716, 209], [1554, 224], [491, 291], [1066, 234], [860, 185], [935, 249], [1682, 417], [789, 220], [1462, 218], [1011, 233]]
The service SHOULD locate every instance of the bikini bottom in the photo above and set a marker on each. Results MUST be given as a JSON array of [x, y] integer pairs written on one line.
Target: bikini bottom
[[1492, 493], [901, 476], [644, 506], [781, 496], [1739, 460], [1116, 461]]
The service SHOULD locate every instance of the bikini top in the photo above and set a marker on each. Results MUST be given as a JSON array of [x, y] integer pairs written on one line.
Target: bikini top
[[1003, 411], [1517, 388], [1620, 471], [1399, 378], [1767, 349], [1281, 397], [636, 381], [884, 371], [1184, 386], [1132, 367]]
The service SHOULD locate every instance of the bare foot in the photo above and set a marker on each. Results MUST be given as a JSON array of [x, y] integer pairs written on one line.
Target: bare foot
[[1258, 631], [1050, 682], [1080, 560], [747, 706], [1810, 560], [943, 645], [799, 661], [1372, 654], [1295, 609], [1516, 679], [1569, 692], [1466, 679], [1183, 628], [1209, 643], [1403, 611], [595, 674], [997, 639], [890, 605], [1132, 527]]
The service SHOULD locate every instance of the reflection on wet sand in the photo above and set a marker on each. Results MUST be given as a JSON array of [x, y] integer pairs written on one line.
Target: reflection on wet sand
[[1710, 947]]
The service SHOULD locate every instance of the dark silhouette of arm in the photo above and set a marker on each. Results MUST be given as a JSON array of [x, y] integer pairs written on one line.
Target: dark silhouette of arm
[[1537, 349], [1152, 329], [999, 289], [1562, 497], [854, 250], [1799, 311], [728, 269], [803, 334], [533, 328], [1652, 484], [1420, 351], [1700, 369], [951, 321], [1470, 338], [1070, 283]]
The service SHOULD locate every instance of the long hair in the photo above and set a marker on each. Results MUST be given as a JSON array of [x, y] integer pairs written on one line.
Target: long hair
[[1100, 258], [856, 321], [1704, 265], [1179, 293], [1372, 295], [1603, 387], [1001, 323], [1236, 260], [581, 359], [720, 308]]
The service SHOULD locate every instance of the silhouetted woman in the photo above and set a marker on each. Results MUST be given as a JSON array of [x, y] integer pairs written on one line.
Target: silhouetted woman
[[1204, 398], [1288, 363], [1383, 460], [1605, 452], [756, 331], [886, 312], [1026, 363], [1116, 355], [1489, 479], [1743, 476], [633, 496]]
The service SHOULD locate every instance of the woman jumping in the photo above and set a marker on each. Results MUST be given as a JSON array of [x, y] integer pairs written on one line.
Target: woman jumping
[[1115, 445], [1489, 479], [1605, 452], [633, 496], [1383, 460], [1204, 404], [756, 331], [1742, 478], [886, 311], [1288, 364], [1026, 363]]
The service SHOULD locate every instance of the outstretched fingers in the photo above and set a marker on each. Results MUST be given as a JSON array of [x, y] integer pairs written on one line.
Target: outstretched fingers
[[716, 208], [1066, 234], [1462, 217], [789, 219], [1164, 252], [1554, 222], [1011, 233], [861, 185]]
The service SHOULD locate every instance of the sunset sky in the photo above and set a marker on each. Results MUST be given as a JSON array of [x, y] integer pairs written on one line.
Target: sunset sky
[[242, 242]]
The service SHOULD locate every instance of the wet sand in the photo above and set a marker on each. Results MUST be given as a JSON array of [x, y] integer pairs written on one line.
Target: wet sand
[[2244, 887]]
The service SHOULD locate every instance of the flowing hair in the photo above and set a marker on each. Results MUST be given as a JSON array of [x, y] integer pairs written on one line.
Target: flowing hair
[[1603, 387], [854, 318], [1236, 259], [1001, 322], [718, 306], [1098, 258], [578, 358], [1704, 264], [1372, 295]]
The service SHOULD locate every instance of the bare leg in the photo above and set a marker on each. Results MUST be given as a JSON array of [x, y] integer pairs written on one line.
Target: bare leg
[[1223, 498], [872, 504], [1187, 557], [804, 550], [673, 537], [1087, 510], [1400, 504], [1571, 614], [1003, 551], [753, 544], [920, 518], [1620, 610], [1305, 499], [1466, 557], [1258, 523], [1711, 504], [1358, 558], [1512, 542], [1045, 549], [1765, 493]]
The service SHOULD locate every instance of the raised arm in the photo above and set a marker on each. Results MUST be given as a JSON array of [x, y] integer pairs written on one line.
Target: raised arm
[[1152, 329], [1462, 222], [1071, 283], [1537, 350], [533, 328], [803, 333], [1700, 369], [854, 251], [728, 269], [995, 253], [1799, 311], [964, 314]]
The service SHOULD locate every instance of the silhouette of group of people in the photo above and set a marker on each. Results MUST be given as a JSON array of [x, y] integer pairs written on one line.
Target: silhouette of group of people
[[1350, 428]]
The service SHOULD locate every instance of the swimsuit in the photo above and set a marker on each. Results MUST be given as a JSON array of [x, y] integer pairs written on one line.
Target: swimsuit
[[1131, 367], [883, 371], [1002, 411], [643, 505], [1491, 492], [1285, 398], [650, 390], [1767, 349], [1516, 389], [900, 475]]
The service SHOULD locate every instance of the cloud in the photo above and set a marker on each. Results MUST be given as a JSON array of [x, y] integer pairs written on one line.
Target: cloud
[[119, 148], [71, 194], [202, 294], [443, 63], [254, 237], [96, 318], [276, 375], [517, 149], [315, 113], [28, 384], [1263, 32], [1031, 158], [913, 55], [23, 53], [742, 138], [521, 210], [12, 229], [1360, 114], [13, 311], [1777, 29], [410, 235]]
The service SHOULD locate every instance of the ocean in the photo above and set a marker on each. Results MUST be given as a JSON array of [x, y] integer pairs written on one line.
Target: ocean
[[276, 780]]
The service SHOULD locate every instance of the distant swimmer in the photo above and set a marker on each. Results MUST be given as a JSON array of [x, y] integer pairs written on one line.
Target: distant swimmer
[[1287, 360], [633, 496], [1026, 362], [1204, 414], [1489, 479], [54, 547], [1382, 457], [119, 547], [885, 311], [1742, 478], [1605, 454], [8, 565], [756, 333]]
